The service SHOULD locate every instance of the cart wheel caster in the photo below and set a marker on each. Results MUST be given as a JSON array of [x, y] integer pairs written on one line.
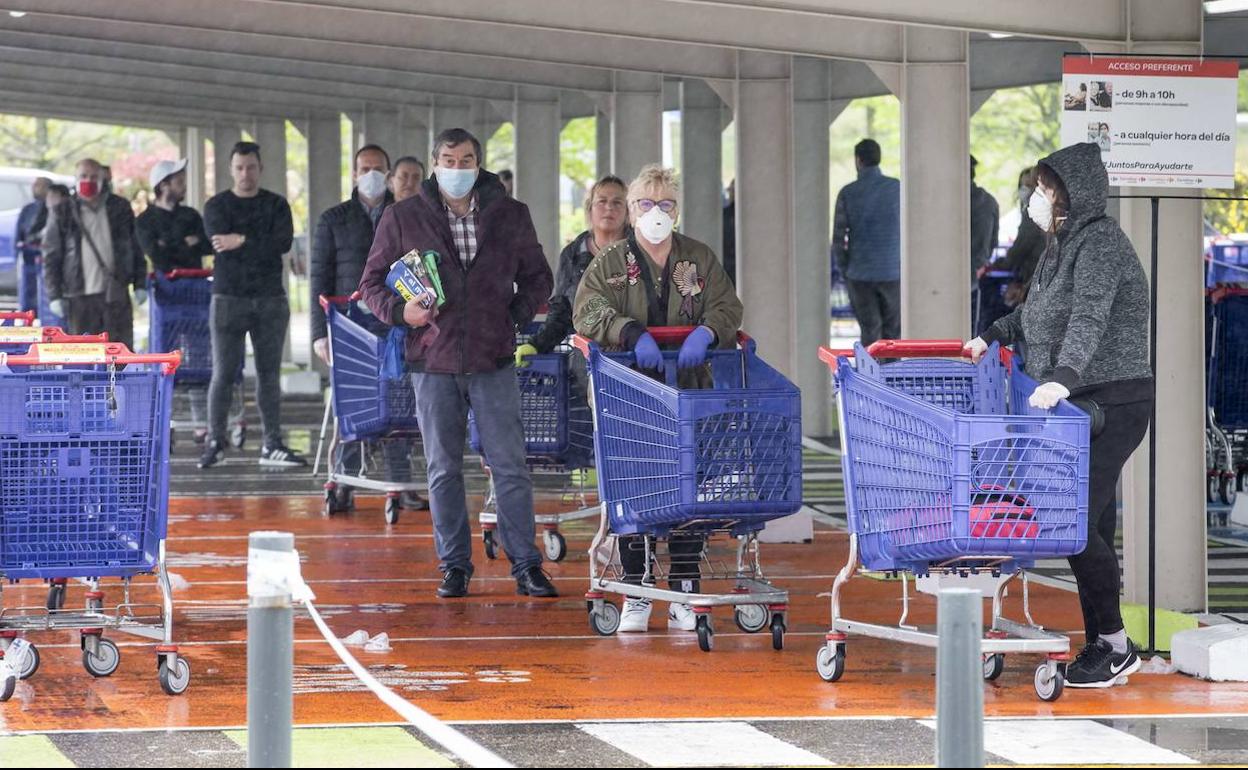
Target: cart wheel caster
[[56, 596], [104, 662], [392, 510], [830, 662], [238, 436], [1241, 481], [175, 678], [994, 665], [1211, 489], [751, 618], [777, 632], [605, 620], [706, 634], [1227, 490], [6, 690], [329, 509], [487, 539], [556, 545], [31, 664], [1050, 681]]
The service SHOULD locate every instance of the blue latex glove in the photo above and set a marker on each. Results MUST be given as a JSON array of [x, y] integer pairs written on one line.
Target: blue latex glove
[[648, 354], [693, 351]]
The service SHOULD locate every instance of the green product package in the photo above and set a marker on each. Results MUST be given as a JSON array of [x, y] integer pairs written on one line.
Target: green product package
[[431, 268]]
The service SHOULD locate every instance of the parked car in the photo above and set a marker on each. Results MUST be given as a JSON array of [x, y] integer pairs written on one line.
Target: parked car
[[14, 194]]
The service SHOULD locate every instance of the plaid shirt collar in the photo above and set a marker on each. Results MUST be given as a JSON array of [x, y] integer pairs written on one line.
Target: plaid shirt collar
[[464, 231]]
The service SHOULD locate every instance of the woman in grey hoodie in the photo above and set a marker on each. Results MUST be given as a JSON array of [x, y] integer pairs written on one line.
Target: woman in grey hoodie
[[1085, 324]]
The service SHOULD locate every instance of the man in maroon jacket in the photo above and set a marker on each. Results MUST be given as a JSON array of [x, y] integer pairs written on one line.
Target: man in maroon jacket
[[495, 277]]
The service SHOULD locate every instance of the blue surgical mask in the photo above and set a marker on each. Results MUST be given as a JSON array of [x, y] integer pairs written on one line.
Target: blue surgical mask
[[456, 183]]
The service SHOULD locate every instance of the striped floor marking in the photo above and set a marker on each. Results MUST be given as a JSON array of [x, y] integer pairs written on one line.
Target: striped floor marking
[[1070, 742], [701, 744]]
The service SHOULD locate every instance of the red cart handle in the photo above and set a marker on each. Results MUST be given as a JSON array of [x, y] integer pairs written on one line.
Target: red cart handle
[[42, 354], [37, 334], [911, 349], [338, 299], [184, 272], [18, 315], [664, 335]]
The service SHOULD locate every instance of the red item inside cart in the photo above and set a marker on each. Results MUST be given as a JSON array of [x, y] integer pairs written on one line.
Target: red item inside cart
[[997, 512]]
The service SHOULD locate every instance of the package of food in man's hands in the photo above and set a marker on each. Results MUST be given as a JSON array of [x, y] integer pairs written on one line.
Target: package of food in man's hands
[[405, 279]]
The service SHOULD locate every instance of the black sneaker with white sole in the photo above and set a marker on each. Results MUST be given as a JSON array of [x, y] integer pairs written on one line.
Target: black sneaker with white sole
[[1101, 666], [281, 456], [214, 453]]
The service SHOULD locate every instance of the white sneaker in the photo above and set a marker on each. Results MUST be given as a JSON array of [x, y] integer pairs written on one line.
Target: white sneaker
[[681, 617], [636, 616]]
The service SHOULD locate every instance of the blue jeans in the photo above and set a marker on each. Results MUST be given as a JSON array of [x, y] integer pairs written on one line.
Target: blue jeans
[[442, 402]]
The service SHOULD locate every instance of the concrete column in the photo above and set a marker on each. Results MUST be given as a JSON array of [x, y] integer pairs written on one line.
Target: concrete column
[[193, 151], [324, 165], [537, 163], [602, 148], [223, 139], [381, 127], [637, 125], [413, 133], [702, 205], [766, 276], [271, 136], [935, 185], [1180, 470], [450, 114], [812, 115]]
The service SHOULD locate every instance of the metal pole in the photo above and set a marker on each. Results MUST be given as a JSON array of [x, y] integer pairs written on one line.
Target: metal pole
[[959, 679], [1152, 440], [270, 655]]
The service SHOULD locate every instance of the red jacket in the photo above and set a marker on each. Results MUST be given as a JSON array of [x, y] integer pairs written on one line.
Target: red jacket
[[485, 303]]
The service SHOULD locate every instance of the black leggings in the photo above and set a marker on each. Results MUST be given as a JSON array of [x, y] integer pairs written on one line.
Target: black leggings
[[685, 551], [1096, 569]]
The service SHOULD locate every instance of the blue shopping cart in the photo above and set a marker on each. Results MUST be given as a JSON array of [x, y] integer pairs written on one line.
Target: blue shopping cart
[[558, 438], [1226, 428], [369, 408], [178, 317], [952, 477], [84, 492], [673, 461]]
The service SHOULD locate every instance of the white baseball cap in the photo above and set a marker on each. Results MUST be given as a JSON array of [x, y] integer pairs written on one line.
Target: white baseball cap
[[163, 170]]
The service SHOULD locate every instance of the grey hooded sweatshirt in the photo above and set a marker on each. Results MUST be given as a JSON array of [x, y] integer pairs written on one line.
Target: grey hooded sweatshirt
[[1085, 320]]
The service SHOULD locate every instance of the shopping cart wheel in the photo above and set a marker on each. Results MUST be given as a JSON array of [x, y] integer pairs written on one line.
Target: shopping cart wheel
[[173, 437], [830, 662], [1211, 488], [604, 620], [751, 618], [777, 632], [487, 539], [1241, 480], [994, 664], [238, 435], [556, 545], [706, 634], [6, 690], [1227, 489], [31, 664], [1050, 681], [174, 678], [392, 510], [56, 596], [104, 662]]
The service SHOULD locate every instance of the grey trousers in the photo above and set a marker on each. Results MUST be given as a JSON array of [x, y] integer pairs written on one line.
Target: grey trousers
[[877, 306], [231, 320], [94, 314]]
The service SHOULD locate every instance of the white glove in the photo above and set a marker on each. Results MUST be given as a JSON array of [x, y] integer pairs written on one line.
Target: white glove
[[1047, 395], [57, 306], [977, 347], [321, 348], [140, 297]]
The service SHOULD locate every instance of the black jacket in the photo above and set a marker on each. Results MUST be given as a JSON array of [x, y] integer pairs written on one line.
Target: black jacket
[[1024, 254], [162, 235], [344, 234], [63, 254], [255, 268], [572, 263]]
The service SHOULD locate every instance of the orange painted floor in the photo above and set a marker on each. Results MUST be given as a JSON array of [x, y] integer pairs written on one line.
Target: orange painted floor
[[497, 656]]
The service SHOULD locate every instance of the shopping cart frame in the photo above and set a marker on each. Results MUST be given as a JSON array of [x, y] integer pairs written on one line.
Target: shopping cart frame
[[992, 575]]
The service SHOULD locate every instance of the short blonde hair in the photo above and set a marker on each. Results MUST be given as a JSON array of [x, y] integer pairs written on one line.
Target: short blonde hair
[[654, 177]]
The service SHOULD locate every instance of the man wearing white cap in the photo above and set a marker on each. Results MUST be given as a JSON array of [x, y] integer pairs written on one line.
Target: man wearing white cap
[[172, 235]]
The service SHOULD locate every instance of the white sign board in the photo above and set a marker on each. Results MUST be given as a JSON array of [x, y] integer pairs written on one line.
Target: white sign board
[[1160, 122]]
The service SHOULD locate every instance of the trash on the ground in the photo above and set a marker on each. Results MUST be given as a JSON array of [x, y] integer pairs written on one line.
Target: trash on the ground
[[357, 639], [379, 643], [1158, 665]]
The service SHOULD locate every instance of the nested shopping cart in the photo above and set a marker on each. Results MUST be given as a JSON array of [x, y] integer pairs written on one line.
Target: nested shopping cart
[[558, 438], [370, 409], [84, 493], [18, 339], [1226, 428], [179, 320], [17, 317], [951, 478], [691, 462]]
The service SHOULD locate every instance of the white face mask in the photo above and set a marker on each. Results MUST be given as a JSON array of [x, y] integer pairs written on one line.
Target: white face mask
[[372, 185], [1040, 210], [456, 183], [656, 225]]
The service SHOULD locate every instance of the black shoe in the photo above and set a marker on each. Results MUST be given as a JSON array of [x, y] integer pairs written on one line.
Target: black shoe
[[412, 501], [214, 452], [280, 456], [537, 583], [1101, 666], [454, 584]]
